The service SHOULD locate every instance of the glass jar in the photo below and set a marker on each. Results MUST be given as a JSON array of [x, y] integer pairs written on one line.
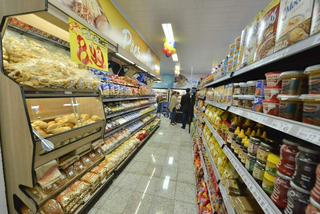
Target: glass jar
[[258, 171], [235, 101], [272, 162], [280, 190], [244, 153], [297, 200], [248, 102], [288, 152], [268, 183], [241, 101], [243, 88], [251, 87], [250, 162], [236, 89], [263, 152], [234, 138], [253, 146]]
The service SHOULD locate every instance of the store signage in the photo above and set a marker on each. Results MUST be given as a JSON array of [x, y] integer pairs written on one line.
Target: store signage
[[86, 47]]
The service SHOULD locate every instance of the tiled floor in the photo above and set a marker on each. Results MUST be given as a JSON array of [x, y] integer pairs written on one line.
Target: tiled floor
[[158, 180]]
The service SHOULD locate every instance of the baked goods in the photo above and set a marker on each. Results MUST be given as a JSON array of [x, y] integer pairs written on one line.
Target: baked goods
[[48, 174], [51, 207], [25, 210], [92, 179], [65, 197]]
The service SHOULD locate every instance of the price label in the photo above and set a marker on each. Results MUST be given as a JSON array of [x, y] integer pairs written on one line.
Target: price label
[[260, 119], [284, 52], [317, 40], [68, 92], [309, 135], [281, 126], [86, 198], [87, 47]]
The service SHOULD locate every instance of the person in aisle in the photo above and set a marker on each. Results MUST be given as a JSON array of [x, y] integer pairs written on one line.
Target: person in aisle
[[172, 107], [185, 107], [159, 100]]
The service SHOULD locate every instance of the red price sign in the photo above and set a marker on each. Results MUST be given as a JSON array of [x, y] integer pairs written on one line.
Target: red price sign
[[87, 47]]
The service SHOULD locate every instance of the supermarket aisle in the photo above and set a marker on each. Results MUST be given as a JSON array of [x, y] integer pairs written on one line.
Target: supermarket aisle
[[159, 179]]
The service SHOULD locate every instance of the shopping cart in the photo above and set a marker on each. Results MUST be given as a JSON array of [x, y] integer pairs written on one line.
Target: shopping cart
[[165, 110]]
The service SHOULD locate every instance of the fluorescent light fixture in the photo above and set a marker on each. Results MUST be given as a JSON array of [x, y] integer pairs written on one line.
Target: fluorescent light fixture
[[35, 107], [125, 58], [167, 29], [142, 68], [175, 57]]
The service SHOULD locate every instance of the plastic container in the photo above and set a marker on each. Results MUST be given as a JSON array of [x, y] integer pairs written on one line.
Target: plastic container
[[243, 88], [248, 101], [258, 171], [236, 89], [272, 162], [235, 101], [306, 163], [250, 162], [271, 92], [257, 104], [268, 183], [254, 146], [251, 87], [241, 101], [260, 84], [271, 107], [294, 83], [288, 152], [297, 200], [280, 190], [290, 107], [313, 73], [263, 152], [311, 109], [273, 78]]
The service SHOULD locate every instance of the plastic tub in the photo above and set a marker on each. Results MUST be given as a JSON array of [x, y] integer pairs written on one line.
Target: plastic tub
[[272, 163], [273, 78], [271, 92], [290, 107], [271, 107], [311, 109], [294, 83], [248, 101], [260, 84], [243, 88], [251, 87], [280, 190], [257, 104], [297, 200], [313, 73], [268, 183], [288, 152]]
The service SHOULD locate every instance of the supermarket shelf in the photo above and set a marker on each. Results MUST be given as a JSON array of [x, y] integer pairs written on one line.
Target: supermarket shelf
[[226, 199], [127, 123], [128, 111], [217, 81], [219, 105], [261, 197], [106, 100], [300, 130], [213, 131]]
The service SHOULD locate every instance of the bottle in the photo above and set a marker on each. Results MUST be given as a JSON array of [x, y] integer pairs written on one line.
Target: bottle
[[238, 142], [259, 126], [248, 132], [245, 151], [232, 129], [258, 133], [241, 148], [233, 143], [247, 124], [264, 135], [253, 133]]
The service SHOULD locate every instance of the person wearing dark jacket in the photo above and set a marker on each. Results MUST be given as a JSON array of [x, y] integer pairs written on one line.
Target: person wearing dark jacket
[[185, 107]]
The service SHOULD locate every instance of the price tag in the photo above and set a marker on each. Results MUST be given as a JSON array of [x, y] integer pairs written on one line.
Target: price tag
[[68, 92], [284, 52], [309, 135], [259, 118], [86, 198], [317, 40], [281, 126]]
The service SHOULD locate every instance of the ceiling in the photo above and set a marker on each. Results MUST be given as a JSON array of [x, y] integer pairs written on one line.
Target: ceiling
[[203, 29]]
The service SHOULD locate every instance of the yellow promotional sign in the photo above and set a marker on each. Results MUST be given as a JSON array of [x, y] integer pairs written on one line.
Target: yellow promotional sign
[[86, 47]]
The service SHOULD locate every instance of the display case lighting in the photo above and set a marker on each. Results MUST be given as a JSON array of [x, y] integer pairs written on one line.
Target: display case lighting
[[142, 68], [125, 58]]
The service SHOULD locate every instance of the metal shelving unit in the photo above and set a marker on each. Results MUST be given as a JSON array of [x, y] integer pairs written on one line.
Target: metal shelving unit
[[128, 111], [106, 100], [219, 105]]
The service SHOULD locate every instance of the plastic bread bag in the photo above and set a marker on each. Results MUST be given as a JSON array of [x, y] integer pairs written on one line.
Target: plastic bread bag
[[79, 188], [92, 179], [65, 197], [51, 207]]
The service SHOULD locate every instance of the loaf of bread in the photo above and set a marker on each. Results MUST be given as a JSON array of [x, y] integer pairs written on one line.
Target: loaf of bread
[[51, 207]]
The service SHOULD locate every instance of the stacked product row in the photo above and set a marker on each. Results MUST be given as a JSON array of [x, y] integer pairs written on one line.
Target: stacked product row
[[115, 107]]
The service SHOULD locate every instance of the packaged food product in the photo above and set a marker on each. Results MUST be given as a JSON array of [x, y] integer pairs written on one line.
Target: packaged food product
[[311, 109], [243, 88], [51, 207], [258, 104], [263, 152], [294, 22], [86, 161], [65, 197], [250, 162], [78, 167], [248, 101], [70, 172], [271, 107], [313, 73], [288, 152], [25, 210], [241, 49], [260, 87], [49, 189], [271, 92], [254, 146], [294, 83], [273, 79], [258, 171], [315, 25], [92, 179], [272, 162], [63, 179], [313, 207], [236, 89], [235, 100], [315, 192], [268, 183], [250, 46], [251, 87], [290, 107], [307, 160], [241, 99], [280, 190], [297, 200], [267, 30], [48, 174]]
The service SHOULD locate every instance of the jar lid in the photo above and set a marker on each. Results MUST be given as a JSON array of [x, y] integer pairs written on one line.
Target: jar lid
[[266, 145], [252, 156], [314, 203], [269, 177], [291, 142], [284, 177], [273, 72], [311, 149], [270, 101], [243, 84], [241, 97], [288, 73], [248, 97], [272, 158], [255, 140], [284, 97], [278, 87], [235, 96], [261, 164], [251, 83], [312, 97], [312, 68], [294, 186]]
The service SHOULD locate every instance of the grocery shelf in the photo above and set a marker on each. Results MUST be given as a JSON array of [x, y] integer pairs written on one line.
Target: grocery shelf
[[217, 81], [300, 130], [128, 111], [219, 105], [226, 199], [106, 100], [127, 123], [213, 131]]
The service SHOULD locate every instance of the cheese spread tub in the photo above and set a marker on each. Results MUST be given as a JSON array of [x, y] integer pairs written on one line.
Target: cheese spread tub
[[294, 22], [294, 83], [267, 30], [290, 107], [311, 109], [313, 73], [315, 25]]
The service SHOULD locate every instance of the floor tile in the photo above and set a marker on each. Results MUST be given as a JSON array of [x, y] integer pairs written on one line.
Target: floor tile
[[184, 208], [147, 185], [170, 172], [153, 170], [186, 192], [138, 167], [186, 176], [129, 181], [118, 201], [166, 188], [139, 203], [161, 206]]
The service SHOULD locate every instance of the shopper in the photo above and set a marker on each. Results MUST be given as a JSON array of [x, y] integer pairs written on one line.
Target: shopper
[[159, 100], [185, 107], [172, 108]]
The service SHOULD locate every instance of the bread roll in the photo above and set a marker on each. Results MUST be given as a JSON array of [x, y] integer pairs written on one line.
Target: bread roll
[[61, 129], [71, 125], [57, 119], [96, 118], [70, 119], [51, 122], [52, 127], [25, 210], [85, 117]]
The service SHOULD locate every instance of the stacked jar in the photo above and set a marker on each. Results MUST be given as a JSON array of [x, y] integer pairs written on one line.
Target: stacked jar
[[271, 91], [259, 96]]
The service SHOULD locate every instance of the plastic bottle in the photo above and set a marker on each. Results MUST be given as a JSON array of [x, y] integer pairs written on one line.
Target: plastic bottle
[[238, 142], [234, 143]]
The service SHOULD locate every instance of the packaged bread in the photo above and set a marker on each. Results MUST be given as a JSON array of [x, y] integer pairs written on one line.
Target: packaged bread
[[62, 180], [67, 160], [78, 166], [80, 188], [49, 189], [86, 161], [36, 192], [48, 174], [92, 179], [65, 197], [93, 156], [51, 207], [70, 172], [25, 210]]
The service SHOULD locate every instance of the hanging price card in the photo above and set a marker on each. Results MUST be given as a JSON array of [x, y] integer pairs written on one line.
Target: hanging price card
[[309, 135], [87, 47]]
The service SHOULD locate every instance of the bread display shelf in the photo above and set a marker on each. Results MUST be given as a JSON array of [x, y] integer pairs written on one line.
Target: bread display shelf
[[30, 92], [106, 100], [127, 123], [129, 110]]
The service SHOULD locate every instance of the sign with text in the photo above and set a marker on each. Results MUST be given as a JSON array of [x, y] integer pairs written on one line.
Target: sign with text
[[86, 47]]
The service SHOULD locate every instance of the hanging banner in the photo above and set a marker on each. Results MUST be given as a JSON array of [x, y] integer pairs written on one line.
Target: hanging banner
[[86, 47]]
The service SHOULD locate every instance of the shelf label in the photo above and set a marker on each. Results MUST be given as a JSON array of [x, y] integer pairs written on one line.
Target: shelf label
[[259, 118], [68, 92], [309, 135], [87, 198], [284, 52], [281, 126]]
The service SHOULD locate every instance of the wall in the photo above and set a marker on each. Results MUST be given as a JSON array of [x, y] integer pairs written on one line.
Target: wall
[[183, 81]]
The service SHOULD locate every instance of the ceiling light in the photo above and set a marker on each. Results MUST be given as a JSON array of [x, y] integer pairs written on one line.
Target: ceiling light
[[125, 58], [177, 68], [167, 29], [175, 57]]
